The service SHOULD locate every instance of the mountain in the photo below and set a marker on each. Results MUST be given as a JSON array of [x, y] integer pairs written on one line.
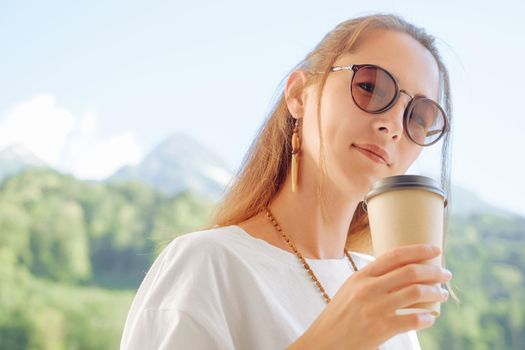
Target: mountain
[[179, 163], [465, 202], [15, 158]]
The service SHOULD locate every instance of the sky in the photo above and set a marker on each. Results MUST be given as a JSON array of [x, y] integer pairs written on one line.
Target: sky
[[91, 86]]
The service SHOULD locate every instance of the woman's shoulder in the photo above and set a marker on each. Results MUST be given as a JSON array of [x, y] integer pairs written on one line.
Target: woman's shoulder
[[205, 239], [183, 288], [197, 246], [192, 261]]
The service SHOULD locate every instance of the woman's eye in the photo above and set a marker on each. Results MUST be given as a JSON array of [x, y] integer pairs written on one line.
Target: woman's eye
[[369, 87], [419, 121]]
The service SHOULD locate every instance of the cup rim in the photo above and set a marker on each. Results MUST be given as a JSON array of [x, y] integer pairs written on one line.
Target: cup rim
[[397, 182]]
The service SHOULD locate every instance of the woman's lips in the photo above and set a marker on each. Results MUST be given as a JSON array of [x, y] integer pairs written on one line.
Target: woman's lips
[[371, 155]]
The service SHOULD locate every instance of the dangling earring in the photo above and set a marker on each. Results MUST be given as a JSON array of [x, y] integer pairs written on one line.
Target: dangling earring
[[296, 147]]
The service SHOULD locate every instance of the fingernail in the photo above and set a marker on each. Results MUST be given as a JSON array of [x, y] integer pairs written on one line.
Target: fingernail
[[444, 292], [428, 317], [447, 272]]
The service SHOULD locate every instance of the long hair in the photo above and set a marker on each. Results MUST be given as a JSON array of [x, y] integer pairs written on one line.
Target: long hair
[[265, 166]]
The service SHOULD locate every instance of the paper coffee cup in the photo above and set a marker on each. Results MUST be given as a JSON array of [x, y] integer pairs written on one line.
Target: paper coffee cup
[[403, 210]]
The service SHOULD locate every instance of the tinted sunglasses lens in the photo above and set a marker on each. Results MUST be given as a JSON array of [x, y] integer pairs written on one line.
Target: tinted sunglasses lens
[[373, 89], [426, 122]]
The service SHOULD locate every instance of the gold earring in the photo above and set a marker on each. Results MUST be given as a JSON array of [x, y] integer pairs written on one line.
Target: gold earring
[[296, 147]]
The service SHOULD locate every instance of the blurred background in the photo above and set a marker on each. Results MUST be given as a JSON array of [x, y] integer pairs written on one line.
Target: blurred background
[[121, 123]]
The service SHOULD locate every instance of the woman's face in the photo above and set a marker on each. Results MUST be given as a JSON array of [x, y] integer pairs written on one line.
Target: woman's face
[[348, 129]]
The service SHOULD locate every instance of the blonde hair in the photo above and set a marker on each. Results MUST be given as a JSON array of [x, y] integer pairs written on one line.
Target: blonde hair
[[266, 165]]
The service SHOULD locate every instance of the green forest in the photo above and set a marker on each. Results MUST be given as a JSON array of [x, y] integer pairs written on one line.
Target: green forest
[[73, 253]]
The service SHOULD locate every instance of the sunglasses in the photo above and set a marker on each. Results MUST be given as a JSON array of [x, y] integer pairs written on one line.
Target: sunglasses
[[375, 90]]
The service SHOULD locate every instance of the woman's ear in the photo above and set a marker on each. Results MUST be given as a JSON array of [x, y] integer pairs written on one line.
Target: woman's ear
[[295, 93]]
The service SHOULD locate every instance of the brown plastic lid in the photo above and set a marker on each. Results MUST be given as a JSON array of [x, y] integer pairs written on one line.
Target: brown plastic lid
[[404, 182]]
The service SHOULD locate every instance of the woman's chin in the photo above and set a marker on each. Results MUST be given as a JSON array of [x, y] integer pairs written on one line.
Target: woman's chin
[[356, 185]]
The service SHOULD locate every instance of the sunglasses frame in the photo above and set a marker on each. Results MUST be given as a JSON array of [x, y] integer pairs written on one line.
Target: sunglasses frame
[[408, 110]]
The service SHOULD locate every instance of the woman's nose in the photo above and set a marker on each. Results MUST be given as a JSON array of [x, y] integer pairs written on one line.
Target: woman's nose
[[390, 122]]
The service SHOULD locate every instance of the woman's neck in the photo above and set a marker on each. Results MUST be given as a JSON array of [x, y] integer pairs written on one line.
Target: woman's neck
[[300, 216]]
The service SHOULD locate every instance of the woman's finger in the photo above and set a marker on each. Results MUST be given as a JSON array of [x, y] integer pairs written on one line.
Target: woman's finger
[[410, 322], [415, 293], [400, 256], [411, 274]]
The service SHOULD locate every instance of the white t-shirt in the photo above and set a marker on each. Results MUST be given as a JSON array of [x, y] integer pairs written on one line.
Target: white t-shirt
[[225, 289]]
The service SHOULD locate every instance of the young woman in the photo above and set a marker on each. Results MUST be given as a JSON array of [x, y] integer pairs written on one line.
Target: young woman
[[288, 261]]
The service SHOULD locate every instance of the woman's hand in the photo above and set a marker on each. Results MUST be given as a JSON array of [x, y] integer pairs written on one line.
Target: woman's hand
[[361, 315]]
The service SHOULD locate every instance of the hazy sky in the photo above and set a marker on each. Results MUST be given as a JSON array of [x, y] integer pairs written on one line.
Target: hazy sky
[[90, 86]]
